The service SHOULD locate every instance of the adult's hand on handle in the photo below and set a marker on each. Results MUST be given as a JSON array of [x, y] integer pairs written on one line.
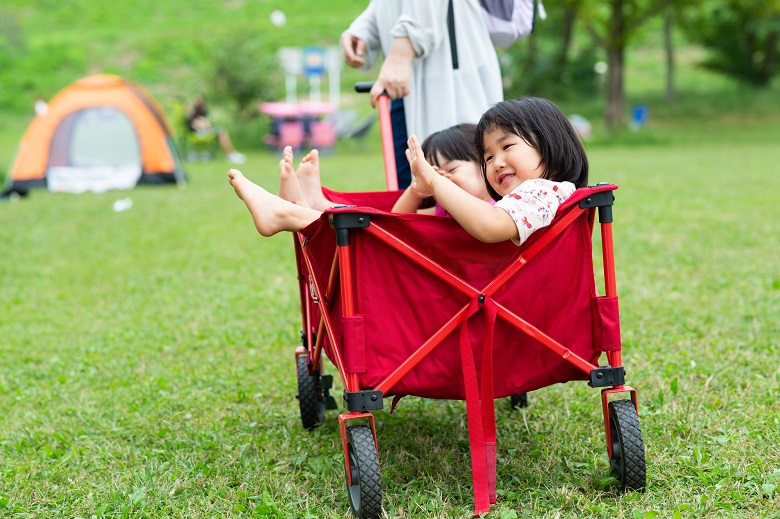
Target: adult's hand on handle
[[353, 49], [396, 72]]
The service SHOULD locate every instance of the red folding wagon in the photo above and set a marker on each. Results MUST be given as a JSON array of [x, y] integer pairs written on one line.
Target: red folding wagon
[[406, 304]]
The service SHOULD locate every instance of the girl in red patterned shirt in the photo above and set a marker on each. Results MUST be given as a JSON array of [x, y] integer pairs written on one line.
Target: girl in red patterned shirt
[[532, 161]]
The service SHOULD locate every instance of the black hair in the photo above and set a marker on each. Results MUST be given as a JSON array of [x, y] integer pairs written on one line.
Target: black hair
[[453, 143], [544, 127]]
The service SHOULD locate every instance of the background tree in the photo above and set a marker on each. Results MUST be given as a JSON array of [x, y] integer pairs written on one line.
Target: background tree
[[244, 73], [741, 36], [669, 17], [613, 24], [569, 13], [548, 63], [671, 14]]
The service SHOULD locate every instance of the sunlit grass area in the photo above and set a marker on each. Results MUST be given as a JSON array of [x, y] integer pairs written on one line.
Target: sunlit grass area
[[148, 356]]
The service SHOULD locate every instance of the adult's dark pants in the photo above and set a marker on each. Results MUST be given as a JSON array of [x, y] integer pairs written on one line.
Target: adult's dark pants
[[398, 120]]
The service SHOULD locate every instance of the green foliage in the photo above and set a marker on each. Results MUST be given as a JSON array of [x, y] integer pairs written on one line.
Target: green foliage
[[743, 37], [537, 71], [245, 72], [615, 22], [556, 60], [12, 44], [169, 47]]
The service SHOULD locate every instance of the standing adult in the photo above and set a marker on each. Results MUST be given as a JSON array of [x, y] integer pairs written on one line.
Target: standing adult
[[435, 81]]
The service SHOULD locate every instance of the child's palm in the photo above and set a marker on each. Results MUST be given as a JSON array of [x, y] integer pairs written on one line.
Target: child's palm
[[424, 173]]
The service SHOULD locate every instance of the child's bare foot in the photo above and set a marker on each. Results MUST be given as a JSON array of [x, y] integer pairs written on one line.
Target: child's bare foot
[[309, 179], [289, 188], [270, 213]]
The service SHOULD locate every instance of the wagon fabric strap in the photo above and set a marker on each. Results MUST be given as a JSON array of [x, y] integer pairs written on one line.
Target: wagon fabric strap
[[488, 403], [606, 323], [479, 408]]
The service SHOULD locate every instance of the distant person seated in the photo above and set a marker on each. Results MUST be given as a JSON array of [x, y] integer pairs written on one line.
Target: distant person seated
[[198, 123]]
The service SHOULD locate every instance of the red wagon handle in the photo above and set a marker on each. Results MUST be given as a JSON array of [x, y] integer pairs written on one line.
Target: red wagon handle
[[386, 131]]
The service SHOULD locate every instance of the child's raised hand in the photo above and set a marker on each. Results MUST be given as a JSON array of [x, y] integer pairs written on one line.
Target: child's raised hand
[[424, 173], [418, 190]]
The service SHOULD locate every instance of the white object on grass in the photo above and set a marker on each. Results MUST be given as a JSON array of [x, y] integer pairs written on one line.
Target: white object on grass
[[123, 204], [278, 18]]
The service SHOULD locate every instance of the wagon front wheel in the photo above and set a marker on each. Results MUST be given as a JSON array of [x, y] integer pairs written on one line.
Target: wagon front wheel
[[310, 397], [628, 447], [365, 492]]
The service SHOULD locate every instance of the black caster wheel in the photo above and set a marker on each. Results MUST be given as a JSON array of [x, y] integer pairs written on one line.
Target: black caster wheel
[[628, 448], [310, 397], [519, 401], [365, 493]]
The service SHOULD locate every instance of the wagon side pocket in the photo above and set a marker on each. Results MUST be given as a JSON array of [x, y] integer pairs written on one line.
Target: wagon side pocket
[[606, 323], [354, 344]]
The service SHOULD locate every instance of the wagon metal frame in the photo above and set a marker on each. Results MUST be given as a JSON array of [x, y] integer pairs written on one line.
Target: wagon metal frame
[[320, 335]]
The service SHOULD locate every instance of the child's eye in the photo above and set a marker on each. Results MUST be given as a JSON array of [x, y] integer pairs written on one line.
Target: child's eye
[[489, 158], [506, 147]]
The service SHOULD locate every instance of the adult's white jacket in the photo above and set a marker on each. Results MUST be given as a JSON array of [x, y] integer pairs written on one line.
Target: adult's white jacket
[[440, 96]]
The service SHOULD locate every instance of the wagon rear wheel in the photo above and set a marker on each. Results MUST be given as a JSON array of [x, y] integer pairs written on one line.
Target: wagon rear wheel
[[365, 492], [310, 397], [628, 448]]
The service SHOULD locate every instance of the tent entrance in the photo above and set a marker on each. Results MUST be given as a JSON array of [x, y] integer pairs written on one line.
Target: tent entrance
[[94, 149]]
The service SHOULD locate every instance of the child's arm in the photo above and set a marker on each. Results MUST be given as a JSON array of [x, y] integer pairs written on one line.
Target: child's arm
[[480, 219], [410, 200]]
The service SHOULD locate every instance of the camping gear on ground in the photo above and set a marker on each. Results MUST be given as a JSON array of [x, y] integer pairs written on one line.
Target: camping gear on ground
[[101, 132], [305, 123], [347, 125], [411, 304]]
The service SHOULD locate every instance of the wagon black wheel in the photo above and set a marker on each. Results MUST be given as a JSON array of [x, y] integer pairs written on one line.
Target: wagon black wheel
[[365, 493], [518, 401], [310, 397], [628, 448]]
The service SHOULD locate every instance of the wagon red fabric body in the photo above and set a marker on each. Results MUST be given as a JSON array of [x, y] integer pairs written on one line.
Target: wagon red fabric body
[[412, 305]]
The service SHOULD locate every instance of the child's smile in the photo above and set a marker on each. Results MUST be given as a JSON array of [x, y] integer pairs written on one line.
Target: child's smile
[[509, 161], [504, 177]]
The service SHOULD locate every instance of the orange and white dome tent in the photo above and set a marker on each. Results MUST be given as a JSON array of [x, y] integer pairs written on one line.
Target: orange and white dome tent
[[100, 132]]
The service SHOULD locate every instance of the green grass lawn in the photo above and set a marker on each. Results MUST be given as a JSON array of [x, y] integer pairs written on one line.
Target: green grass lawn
[[147, 356]]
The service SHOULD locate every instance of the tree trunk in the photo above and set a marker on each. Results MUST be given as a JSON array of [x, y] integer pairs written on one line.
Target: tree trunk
[[770, 55], [616, 98], [671, 95], [615, 47], [530, 62], [567, 30]]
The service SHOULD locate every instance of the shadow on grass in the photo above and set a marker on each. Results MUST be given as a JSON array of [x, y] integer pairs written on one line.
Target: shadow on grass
[[425, 456]]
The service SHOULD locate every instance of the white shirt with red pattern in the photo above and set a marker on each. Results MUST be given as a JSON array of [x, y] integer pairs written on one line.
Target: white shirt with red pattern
[[533, 204]]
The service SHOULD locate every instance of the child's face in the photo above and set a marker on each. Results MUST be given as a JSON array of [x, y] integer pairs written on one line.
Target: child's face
[[465, 174], [509, 161]]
